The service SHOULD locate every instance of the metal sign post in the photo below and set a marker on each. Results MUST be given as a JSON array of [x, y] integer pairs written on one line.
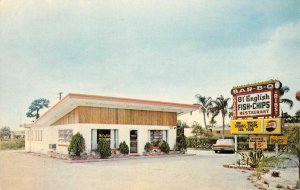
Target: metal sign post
[[276, 149], [235, 148]]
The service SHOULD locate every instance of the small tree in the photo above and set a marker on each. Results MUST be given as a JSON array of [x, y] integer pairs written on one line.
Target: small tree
[[77, 144], [164, 147], [124, 149], [103, 148], [180, 138], [148, 147], [5, 132], [198, 131], [36, 106], [293, 133]]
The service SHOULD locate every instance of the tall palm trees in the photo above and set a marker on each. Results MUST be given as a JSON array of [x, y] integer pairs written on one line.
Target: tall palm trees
[[205, 104], [220, 105], [282, 91]]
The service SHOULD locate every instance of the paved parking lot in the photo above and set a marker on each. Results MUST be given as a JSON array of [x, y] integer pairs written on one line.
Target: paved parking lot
[[23, 171]]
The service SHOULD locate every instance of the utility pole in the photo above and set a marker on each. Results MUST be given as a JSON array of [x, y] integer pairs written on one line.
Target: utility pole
[[60, 93]]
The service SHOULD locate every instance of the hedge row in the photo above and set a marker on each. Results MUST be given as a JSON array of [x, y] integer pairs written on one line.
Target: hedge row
[[206, 144], [12, 144], [201, 143]]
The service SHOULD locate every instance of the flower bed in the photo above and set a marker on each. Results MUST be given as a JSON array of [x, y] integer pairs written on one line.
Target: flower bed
[[117, 155], [242, 167], [153, 153]]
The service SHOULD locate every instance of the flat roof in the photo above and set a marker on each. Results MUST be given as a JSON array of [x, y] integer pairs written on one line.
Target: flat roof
[[72, 100]]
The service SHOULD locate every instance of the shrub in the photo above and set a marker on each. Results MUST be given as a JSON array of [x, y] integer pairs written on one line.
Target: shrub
[[279, 186], [242, 138], [181, 144], [164, 147], [103, 148], [243, 146], [12, 144], [265, 182], [271, 147], [201, 143], [148, 147], [255, 157], [77, 144], [275, 174], [124, 149]]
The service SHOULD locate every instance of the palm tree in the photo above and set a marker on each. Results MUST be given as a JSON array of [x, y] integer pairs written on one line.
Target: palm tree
[[297, 114], [282, 91], [220, 105], [182, 124], [230, 112], [204, 105]]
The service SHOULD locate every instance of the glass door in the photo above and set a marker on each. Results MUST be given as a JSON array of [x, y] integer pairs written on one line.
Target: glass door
[[133, 141]]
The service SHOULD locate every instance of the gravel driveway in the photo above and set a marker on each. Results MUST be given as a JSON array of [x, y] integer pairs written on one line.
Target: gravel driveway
[[23, 171]]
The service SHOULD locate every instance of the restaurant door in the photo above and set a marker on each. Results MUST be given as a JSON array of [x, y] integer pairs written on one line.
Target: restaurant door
[[133, 141]]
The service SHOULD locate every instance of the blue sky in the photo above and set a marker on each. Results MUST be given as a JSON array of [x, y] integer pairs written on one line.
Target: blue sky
[[160, 50]]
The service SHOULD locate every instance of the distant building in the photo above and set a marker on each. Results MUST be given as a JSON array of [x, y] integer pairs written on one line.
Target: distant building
[[17, 134], [217, 131], [188, 132]]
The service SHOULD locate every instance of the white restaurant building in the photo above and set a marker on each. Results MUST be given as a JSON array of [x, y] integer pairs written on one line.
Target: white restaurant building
[[117, 119]]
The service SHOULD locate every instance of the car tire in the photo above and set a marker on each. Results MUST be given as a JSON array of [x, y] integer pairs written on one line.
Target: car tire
[[216, 151]]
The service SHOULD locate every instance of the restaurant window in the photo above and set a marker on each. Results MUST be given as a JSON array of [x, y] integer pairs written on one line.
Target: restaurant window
[[65, 136], [103, 134], [112, 136], [116, 139], [158, 136]]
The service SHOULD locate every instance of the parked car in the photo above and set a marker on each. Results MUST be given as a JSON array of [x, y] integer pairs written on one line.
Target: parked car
[[223, 145]]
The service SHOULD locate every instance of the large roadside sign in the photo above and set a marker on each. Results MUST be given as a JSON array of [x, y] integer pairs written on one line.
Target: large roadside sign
[[256, 100], [256, 126]]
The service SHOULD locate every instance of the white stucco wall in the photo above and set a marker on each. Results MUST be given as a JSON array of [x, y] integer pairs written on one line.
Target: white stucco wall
[[188, 132], [50, 136]]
